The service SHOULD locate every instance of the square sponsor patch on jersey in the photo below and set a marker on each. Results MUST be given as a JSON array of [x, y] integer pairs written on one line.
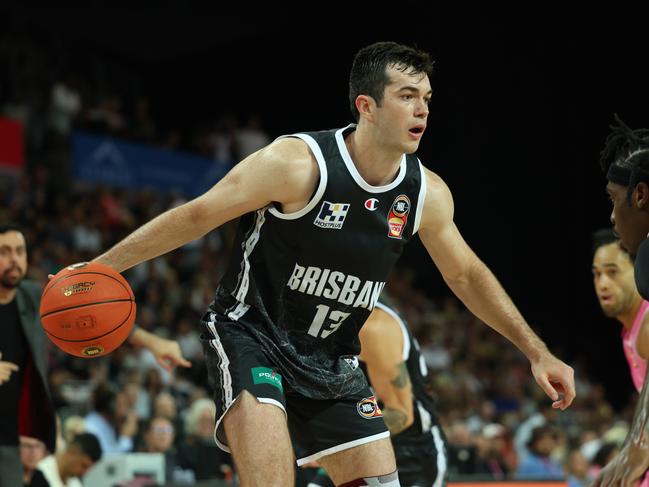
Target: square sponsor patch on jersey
[[331, 215]]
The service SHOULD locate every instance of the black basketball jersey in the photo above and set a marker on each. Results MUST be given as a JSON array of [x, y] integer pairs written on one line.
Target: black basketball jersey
[[305, 282], [425, 416]]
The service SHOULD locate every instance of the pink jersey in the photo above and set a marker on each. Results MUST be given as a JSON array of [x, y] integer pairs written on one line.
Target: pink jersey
[[637, 364]]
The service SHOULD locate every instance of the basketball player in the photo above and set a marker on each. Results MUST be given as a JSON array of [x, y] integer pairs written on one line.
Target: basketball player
[[618, 297], [398, 375], [324, 217], [625, 159]]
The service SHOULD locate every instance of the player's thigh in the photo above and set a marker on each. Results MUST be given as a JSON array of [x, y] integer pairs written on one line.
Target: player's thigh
[[236, 364], [341, 430], [368, 460]]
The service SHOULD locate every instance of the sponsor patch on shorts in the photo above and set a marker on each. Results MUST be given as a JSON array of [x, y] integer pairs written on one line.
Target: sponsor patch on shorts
[[368, 408], [264, 375]]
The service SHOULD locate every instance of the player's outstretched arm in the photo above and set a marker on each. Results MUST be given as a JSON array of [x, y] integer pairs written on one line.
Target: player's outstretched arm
[[167, 352], [477, 287], [382, 351], [630, 464], [284, 172]]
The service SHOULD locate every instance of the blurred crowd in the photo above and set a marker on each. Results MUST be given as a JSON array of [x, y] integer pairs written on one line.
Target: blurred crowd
[[498, 422]]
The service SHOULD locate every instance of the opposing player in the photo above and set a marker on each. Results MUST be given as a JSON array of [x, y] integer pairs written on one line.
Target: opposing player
[[625, 160]]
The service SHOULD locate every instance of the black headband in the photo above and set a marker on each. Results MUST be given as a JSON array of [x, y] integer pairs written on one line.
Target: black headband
[[619, 174]]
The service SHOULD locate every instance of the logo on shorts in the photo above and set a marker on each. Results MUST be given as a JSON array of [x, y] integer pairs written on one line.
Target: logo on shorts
[[368, 408], [264, 375], [398, 216], [332, 215]]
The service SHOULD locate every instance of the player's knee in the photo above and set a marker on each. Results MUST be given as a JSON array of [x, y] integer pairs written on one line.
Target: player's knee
[[389, 480]]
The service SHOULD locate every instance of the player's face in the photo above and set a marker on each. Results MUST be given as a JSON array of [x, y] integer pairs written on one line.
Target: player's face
[[404, 110], [613, 278], [626, 219], [13, 259]]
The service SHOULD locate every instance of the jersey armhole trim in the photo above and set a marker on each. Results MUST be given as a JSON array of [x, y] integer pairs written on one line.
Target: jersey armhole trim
[[402, 326], [315, 149], [421, 198]]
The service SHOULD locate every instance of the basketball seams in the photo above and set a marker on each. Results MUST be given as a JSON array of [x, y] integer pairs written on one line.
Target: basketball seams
[[53, 312], [130, 312], [124, 284]]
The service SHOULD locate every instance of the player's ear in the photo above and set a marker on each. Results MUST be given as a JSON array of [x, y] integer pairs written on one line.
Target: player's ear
[[366, 106], [641, 195]]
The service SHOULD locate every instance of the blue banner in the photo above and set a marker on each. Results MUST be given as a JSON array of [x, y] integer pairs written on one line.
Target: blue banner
[[115, 162]]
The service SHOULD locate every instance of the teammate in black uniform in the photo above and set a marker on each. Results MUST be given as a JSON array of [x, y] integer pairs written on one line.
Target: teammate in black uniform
[[625, 159], [324, 217], [399, 376]]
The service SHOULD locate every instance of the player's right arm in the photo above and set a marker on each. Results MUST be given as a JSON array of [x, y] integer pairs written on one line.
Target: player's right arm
[[382, 351], [284, 172], [632, 461], [642, 342]]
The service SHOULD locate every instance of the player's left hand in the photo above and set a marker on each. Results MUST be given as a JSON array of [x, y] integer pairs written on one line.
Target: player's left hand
[[167, 353], [556, 378]]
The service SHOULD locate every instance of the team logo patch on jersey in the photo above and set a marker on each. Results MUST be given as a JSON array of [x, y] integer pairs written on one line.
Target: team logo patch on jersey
[[331, 215], [371, 204], [352, 362], [369, 408], [398, 216]]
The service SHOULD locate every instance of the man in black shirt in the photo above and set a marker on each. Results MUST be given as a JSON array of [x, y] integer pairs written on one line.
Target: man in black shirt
[[25, 404], [625, 159]]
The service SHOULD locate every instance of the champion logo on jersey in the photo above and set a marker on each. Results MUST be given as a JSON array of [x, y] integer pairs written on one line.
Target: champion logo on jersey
[[331, 215], [398, 216], [371, 204]]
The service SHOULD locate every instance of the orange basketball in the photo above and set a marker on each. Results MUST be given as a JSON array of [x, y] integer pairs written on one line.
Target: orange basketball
[[88, 309]]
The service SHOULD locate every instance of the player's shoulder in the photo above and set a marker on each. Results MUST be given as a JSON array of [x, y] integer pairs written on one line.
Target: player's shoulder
[[438, 198], [289, 148]]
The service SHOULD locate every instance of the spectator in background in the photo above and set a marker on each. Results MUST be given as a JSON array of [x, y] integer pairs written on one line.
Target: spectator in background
[[491, 450], [32, 451], [159, 437], [25, 404], [111, 421], [576, 468], [65, 105], [66, 468], [538, 464], [143, 127], [199, 453], [250, 138]]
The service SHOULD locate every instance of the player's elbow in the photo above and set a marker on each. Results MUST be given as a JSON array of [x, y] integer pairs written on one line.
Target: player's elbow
[[466, 276]]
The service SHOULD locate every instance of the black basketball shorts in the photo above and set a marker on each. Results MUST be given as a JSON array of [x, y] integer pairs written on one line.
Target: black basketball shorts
[[236, 362]]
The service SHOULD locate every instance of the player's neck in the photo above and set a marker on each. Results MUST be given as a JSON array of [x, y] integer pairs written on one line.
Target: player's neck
[[628, 317], [376, 165], [7, 295]]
